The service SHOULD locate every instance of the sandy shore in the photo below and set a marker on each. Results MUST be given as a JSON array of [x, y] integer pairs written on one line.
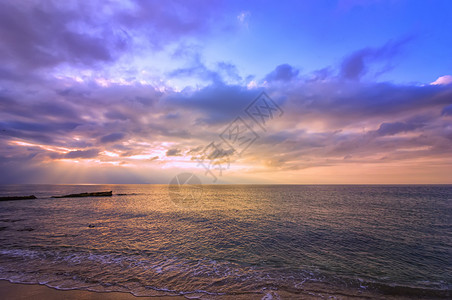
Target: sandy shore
[[15, 291]]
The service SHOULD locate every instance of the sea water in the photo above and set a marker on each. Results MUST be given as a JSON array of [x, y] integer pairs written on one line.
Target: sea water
[[250, 241]]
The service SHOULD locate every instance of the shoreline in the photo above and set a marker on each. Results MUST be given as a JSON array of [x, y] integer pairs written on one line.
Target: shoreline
[[25, 291], [22, 291]]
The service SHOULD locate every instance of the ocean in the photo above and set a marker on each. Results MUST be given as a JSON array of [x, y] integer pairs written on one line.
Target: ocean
[[236, 241]]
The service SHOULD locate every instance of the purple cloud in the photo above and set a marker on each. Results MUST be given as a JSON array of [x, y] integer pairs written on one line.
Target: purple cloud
[[447, 111], [113, 137], [397, 127], [356, 64], [90, 153], [35, 35], [71, 91], [284, 72]]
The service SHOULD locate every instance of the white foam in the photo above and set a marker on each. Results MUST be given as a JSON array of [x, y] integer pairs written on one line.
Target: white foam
[[271, 295]]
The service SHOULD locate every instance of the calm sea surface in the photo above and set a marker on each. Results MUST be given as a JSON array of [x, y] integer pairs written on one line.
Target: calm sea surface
[[249, 241]]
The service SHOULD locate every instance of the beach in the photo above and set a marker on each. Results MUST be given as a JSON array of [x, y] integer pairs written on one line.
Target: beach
[[15, 291]]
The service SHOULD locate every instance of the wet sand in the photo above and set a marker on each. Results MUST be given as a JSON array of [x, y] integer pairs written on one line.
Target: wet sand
[[16, 291], [19, 291]]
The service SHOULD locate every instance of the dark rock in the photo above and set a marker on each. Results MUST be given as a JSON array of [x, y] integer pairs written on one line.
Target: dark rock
[[9, 198], [95, 194]]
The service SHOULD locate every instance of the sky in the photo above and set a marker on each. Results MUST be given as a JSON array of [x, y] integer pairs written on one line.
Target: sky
[[283, 92]]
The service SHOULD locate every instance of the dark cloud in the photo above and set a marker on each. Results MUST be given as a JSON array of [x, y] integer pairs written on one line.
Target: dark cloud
[[42, 34], [37, 35], [116, 115], [355, 65], [284, 72], [38, 127], [20, 103], [90, 153], [340, 104], [172, 116], [113, 137], [218, 103], [173, 152], [43, 131], [397, 127], [165, 22], [447, 111]]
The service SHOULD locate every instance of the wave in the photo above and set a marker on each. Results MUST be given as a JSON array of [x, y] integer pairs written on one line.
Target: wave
[[144, 274]]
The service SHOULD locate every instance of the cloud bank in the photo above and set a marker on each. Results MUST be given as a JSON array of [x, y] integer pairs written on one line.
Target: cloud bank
[[71, 113]]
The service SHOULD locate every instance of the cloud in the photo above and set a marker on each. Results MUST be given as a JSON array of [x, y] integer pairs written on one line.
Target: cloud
[[324, 120], [166, 23], [397, 127], [38, 35], [443, 80], [223, 72], [132, 125], [113, 137], [339, 104], [116, 115], [97, 38], [283, 72], [197, 70], [90, 153], [229, 71], [447, 111], [355, 65], [216, 103], [173, 152]]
